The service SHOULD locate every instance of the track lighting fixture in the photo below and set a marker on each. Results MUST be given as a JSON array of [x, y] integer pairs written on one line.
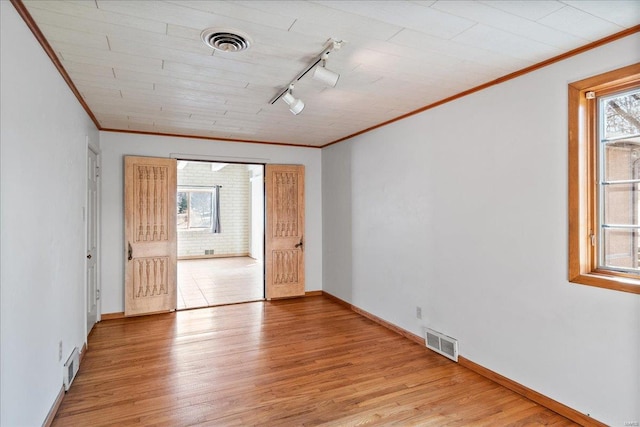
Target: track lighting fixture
[[325, 75], [321, 73], [295, 104]]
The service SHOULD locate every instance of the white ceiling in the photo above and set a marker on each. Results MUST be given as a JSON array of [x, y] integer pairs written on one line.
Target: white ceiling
[[141, 65]]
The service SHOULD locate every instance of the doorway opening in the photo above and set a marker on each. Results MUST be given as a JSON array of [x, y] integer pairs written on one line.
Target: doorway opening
[[220, 233]]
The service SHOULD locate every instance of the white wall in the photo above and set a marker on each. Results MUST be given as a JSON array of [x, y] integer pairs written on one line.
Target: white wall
[[462, 210], [43, 190], [116, 145]]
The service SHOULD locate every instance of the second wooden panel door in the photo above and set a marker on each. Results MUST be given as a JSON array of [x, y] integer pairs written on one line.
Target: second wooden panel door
[[284, 233]]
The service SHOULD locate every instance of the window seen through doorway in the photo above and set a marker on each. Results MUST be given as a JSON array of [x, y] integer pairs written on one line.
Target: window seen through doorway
[[196, 208]]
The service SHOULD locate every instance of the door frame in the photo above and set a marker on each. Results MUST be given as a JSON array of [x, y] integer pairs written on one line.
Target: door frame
[[98, 221], [234, 161]]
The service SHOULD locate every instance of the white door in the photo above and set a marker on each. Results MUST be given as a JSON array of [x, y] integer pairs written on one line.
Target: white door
[[92, 239]]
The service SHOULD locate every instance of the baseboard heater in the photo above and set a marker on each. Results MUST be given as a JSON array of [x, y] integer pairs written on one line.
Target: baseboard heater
[[71, 367], [441, 344]]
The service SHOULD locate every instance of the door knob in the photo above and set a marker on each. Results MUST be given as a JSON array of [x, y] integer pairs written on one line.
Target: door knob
[[89, 256]]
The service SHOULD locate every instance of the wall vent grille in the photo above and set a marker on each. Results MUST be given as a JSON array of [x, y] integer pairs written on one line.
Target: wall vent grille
[[71, 367], [441, 344]]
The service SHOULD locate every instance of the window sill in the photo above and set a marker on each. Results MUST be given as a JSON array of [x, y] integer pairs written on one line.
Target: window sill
[[600, 280]]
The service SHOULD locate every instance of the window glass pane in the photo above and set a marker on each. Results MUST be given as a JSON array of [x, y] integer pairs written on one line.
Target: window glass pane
[[182, 205], [621, 160], [620, 204], [620, 249], [622, 115], [200, 210]]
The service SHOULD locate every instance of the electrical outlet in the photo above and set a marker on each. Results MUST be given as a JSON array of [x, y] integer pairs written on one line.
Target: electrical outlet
[[419, 312], [60, 351]]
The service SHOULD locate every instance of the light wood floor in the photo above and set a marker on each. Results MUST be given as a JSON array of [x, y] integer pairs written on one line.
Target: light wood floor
[[217, 281], [302, 362]]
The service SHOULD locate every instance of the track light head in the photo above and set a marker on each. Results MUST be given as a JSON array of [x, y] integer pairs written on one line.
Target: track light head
[[295, 104], [326, 76]]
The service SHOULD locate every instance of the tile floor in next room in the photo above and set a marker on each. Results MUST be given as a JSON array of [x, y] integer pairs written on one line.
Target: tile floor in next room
[[217, 281]]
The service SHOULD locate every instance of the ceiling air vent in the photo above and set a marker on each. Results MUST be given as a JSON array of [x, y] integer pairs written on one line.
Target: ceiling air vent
[[226, 40]]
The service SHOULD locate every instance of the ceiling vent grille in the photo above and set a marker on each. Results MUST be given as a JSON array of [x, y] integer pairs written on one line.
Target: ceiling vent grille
[[226, 40]]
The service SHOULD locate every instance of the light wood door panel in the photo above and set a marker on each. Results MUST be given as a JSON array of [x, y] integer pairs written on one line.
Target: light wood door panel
[[150, 235], [284, 234]]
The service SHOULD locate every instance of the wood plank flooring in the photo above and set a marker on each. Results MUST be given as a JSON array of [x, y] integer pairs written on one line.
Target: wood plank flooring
[[302, 362]]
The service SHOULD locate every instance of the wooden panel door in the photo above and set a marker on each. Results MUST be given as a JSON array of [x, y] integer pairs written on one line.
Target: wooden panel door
[[284, 234], [150, 235]]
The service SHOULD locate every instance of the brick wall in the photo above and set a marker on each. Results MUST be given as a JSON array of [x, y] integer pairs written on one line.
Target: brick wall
[[234, 210]]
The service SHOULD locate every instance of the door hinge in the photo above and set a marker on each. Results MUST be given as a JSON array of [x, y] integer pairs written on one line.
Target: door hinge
[[97, 171], [590, 95], [97, 294], [593, 239]]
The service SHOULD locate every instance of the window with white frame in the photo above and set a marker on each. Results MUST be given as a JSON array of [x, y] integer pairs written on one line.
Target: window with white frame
[[619, 181], [197, 208]]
